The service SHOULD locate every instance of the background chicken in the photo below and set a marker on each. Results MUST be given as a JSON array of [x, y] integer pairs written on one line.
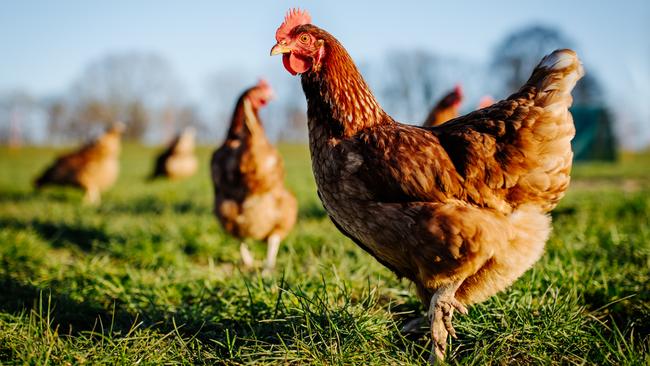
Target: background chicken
[[177, 161], [459, 209], [485, 101], [93, 168], [446, 108], [248, 175]]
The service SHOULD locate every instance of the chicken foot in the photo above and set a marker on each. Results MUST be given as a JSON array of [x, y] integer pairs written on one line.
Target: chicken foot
[[271, 254], [441, 309]]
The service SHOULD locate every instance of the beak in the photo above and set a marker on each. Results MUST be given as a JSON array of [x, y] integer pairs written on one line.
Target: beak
[[279, 49]]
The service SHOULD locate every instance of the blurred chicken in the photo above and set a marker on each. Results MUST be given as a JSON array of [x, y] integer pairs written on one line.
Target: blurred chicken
[[248, 175], [93, 168], [446, 109], [178, 160], [460, 209], [485, 101]]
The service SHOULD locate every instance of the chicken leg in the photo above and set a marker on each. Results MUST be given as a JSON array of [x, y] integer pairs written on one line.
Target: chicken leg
[[441, 310], [92, 196], [271, 253], [246, 256]]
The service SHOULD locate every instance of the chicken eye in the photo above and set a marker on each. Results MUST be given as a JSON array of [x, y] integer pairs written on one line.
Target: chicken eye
[[304, 38]]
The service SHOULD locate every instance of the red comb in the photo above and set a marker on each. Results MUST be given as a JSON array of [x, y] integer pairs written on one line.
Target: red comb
[[294, 18], [458, 89], [262, 83]]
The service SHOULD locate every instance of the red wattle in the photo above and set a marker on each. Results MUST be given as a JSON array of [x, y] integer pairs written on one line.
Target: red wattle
[[287, 63], [295, 64]]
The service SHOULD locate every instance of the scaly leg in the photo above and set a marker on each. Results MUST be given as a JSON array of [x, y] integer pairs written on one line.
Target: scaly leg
[[246, 255], [271, 253], [441, 310], [92, 196]]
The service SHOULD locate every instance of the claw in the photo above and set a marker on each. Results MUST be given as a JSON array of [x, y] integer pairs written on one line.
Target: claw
[[460, 307], [447, 319], [441, 310]]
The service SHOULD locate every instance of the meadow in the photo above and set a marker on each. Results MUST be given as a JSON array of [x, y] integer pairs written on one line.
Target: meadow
[[149, 277]]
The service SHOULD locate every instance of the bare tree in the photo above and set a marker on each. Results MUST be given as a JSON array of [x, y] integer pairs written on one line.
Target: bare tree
[[222, 89], [410, 82], [138, 120], [138, 88], [57, 116], [288, 114], [589, 91], [190, 116], [519, 52], [295, 127], [515, 57], [16, 116]]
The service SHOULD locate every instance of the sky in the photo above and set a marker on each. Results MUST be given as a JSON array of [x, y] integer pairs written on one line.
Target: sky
[[45, 45]]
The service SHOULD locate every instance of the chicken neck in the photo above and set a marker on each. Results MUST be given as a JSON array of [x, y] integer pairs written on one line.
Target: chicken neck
[[238, 128], [338, 97]]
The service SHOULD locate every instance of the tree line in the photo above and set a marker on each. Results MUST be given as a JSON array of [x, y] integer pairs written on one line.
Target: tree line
[[143, 90]]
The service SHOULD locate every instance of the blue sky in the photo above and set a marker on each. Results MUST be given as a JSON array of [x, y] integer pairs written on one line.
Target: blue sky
[[44, 45]]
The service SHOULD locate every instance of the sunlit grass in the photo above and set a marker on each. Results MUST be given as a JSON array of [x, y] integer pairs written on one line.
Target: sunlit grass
[[149, 277]]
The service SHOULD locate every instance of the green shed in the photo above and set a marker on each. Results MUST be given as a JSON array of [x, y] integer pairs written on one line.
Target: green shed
[[595, 138]]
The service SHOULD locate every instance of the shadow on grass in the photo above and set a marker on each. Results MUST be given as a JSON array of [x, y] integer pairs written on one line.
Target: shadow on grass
[[630, 313], [232, 326], [154, 205], [69, 315], [75, 317], [16, 196], [563, 211], [60, 234], [56, 194], [312, 210]]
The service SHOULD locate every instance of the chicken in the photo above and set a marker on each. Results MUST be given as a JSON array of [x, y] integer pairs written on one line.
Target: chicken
[[248, 175], [485, 101], [446, 108], [460, 209], [178, 160], [93, 168]]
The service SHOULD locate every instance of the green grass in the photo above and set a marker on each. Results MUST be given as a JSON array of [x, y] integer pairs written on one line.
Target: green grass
[[149, 277]]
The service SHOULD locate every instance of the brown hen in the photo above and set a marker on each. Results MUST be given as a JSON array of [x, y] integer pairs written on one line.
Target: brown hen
[[248, 175], [445, 109], [460, 209], [177, 161], [94, 167]]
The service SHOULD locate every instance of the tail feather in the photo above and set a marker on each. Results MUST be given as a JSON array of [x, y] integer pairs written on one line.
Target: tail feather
[[44, 179], [555, 77], [39, 182], [548, 138]]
